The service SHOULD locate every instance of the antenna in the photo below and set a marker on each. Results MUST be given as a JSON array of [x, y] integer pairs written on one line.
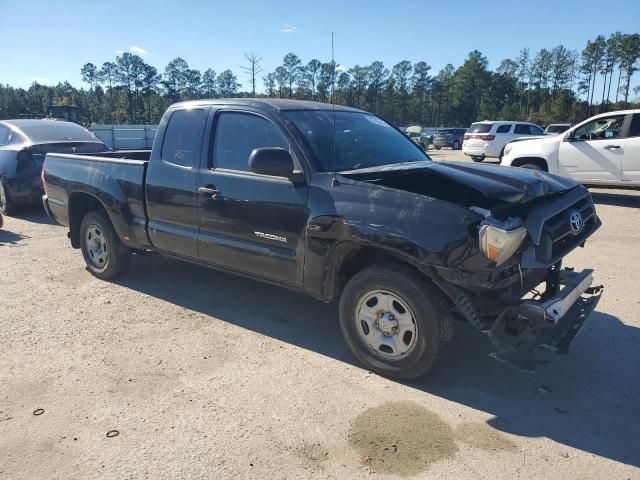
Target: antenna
[[333, 72], [333, 101]]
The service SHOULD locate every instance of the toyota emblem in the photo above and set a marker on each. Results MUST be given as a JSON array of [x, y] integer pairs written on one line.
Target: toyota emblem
[[576, 222]]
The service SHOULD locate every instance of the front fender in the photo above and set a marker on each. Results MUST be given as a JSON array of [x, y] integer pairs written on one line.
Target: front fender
[[349, 215]]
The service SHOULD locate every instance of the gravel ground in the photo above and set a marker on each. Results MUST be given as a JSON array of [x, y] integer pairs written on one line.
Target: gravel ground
[[200, 374]]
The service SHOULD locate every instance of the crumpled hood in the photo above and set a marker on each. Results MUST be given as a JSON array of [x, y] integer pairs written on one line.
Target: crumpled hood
[[469, 184]]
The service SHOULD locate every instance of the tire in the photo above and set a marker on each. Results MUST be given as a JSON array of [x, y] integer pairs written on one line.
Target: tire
[[477, 158], [456, 145], [437, 148], [427, 313], [7, 205], [105, 255], [530, 166]]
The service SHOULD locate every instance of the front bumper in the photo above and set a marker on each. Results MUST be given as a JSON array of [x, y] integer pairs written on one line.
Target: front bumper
[[548, 323]]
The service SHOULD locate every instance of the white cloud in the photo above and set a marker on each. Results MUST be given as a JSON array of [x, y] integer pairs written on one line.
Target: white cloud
[[341, 68], [138, 50], [286, 28], [135, 50], [40, 80]]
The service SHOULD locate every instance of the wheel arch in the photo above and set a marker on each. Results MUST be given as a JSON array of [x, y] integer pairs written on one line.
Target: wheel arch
[[349, 258], [80, 204], [539, 161]]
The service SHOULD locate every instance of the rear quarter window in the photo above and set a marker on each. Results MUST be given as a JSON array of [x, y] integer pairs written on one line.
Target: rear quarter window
[[182, 137], [503, 129], [479, 128]]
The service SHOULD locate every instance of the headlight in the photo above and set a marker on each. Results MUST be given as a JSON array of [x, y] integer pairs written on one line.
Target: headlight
[[499, 244], [507, 149]]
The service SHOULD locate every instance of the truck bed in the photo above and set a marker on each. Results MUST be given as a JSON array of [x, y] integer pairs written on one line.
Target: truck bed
[[116, 179]]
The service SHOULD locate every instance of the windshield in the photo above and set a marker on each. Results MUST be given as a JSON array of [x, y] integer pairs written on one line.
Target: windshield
[[479, 128], [361, 140], [52, 131], [557, 128]]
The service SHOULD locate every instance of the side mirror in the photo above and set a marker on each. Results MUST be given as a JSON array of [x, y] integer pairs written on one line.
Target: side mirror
[[271, 161]]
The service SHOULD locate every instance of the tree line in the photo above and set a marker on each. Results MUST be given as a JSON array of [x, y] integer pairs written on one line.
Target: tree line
[[551, 85]]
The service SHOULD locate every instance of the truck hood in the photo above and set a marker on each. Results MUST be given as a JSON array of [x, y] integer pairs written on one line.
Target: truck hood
[[467, 184]]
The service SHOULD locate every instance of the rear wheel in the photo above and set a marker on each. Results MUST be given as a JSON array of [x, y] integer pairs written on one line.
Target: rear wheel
[[477, 158], [456, 145], [7, 205], [394, 321], [105, 255], [437, 148]]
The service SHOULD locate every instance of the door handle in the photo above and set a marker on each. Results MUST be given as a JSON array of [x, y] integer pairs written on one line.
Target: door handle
[[209, 191], [612, 147]]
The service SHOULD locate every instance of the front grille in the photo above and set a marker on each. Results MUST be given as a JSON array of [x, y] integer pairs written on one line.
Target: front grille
[[558, 238]]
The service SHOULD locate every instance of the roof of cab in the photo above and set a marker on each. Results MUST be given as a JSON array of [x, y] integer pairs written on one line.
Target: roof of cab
[[278, 104]]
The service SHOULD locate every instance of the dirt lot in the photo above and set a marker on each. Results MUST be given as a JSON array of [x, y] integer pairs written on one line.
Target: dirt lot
[[205, 375]]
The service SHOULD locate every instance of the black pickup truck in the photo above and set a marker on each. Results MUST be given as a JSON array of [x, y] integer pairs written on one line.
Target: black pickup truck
[[337, 203]]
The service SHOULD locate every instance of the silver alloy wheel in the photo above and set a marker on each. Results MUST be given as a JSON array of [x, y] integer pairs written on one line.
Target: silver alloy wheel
[[97, 247], [386, 324]]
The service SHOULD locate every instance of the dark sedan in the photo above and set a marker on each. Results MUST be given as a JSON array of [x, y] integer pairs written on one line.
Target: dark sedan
[[449, 137], [23, 146]]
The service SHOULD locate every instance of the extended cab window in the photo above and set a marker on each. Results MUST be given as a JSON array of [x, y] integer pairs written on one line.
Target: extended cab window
[[503, 129], [601, 128], [182, 137], [238, 134]]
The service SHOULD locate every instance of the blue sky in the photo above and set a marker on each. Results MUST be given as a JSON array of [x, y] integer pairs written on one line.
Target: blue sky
[[51, 40]]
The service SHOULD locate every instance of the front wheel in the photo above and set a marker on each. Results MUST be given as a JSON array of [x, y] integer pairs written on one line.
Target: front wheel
[[105, 255], [477, 158], [394, 321]]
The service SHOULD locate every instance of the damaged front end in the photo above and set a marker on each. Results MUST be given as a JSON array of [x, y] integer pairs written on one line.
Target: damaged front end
[[506, 300], [548, 321]]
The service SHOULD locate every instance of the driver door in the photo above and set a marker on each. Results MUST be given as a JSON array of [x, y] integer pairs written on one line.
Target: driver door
[[594, 151]]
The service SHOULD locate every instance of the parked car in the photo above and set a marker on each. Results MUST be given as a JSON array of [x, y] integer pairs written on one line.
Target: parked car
[[337, 203], [449, 137], [557, 128], [422, 136], [604, 149], [488, 139], [23, 146]]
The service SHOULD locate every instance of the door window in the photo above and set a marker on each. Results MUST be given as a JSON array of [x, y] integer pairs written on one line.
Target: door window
[[522, 129], [4, 134], [503, 129], [634, 131], [601, 128], [182, 137], [238, 134]]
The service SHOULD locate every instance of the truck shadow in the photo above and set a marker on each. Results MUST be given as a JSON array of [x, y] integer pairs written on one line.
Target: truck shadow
[[587, 400], [616, 199]]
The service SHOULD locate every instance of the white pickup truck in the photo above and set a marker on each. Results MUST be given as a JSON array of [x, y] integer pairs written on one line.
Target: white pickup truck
[[604, 149]]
